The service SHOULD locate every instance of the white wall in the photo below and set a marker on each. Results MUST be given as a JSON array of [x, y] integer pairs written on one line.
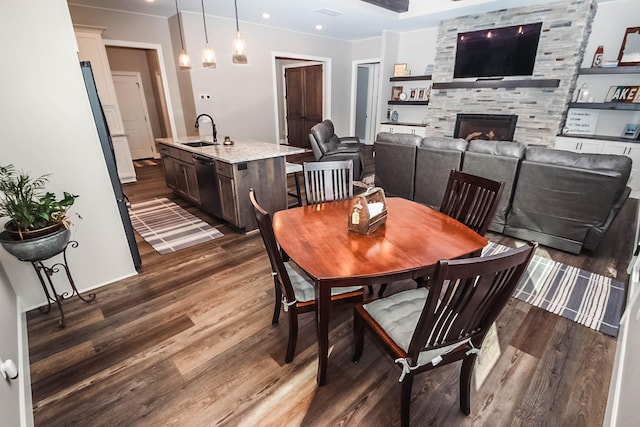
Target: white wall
[[47, 128], [609, 25], [142, 29], [242, 103]]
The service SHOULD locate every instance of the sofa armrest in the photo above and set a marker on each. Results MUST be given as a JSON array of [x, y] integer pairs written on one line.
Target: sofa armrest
[[595, 234]]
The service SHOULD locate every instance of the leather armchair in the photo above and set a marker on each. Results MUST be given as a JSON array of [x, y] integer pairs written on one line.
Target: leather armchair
[[327, 147]]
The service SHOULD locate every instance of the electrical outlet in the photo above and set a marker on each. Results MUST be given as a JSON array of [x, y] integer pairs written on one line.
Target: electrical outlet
[[205, 97]]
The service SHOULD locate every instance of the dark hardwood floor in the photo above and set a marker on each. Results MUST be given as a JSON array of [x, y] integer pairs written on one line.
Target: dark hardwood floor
[[189, 342]]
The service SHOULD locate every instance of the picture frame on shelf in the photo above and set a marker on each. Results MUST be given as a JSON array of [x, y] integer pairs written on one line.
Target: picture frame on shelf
[[421, 94], [630, 49], [412, 94], [395, 93], [631, 131], [399, 70]]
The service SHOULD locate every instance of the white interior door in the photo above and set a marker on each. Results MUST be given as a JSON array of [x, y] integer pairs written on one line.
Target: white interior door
[[135, 116]]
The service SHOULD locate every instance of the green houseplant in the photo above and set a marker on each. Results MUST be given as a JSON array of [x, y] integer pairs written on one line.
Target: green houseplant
[[38, 225]]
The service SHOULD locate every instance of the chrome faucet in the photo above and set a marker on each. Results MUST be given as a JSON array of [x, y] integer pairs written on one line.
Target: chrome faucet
[[213, 125]]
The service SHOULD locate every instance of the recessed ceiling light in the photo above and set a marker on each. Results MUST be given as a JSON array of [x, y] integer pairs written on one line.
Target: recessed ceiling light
[[150, 1], [266, 15], [318, 27]]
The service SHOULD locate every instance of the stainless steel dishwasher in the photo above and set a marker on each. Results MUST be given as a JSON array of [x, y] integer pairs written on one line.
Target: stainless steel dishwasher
[[208, 185]]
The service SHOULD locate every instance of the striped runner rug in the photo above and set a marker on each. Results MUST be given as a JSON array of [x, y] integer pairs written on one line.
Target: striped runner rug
[[167, 227], [587, 298]]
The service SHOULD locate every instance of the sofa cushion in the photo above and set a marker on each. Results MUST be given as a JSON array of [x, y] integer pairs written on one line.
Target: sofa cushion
[[443, 143], [399, 138], [499, 161], [609, 163], [497, 148], [435, 158], [395, 163]]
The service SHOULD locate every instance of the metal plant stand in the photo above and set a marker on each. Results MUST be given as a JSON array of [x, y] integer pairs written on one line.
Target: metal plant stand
[[45, 272]]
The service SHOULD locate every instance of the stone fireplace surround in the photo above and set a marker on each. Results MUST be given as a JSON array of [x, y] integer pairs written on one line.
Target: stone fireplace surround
[[540, 107]]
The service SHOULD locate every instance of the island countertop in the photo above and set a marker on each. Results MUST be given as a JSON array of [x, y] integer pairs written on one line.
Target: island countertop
[[241, 151]]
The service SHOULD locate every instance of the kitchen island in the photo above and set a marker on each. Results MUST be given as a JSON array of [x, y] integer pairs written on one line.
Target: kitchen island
[[217, 178]]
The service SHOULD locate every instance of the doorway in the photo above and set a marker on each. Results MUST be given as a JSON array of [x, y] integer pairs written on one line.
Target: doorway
[[146, 60], [315, 107], [303, 102], [365, 100], [135, 115]]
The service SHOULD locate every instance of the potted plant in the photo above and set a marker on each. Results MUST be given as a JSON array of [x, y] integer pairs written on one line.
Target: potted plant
[[38, 220]]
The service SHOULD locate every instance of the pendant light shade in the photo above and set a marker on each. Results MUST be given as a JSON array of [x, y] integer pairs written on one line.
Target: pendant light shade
[[239, 47], [208, 55], [184, 62]]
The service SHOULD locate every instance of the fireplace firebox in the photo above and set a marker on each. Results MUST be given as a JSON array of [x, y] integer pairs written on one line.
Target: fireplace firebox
[[499, 127]]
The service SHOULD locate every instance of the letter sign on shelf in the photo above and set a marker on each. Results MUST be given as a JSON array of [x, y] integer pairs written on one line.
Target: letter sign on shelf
[[623, 94]]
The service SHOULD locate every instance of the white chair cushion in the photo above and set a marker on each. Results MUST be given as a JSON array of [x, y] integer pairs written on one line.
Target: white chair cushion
[[303, 285], [398, 315], [292, 167]]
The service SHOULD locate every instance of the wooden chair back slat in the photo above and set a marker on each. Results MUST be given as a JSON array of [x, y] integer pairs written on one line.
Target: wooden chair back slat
[[328, 181], [472, 200], [466, 296]]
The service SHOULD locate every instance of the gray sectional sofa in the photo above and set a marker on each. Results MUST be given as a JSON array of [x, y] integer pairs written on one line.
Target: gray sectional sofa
[[558, 198]]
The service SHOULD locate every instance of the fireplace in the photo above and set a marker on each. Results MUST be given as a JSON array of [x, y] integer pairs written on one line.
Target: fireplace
[[499, 127]]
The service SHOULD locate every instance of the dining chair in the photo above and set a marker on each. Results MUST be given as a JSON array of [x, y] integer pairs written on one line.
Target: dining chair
[[294, 289], [328, 181], [470, 199], [423, 329]]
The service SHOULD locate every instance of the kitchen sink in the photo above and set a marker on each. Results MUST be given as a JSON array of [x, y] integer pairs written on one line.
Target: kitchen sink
[[199, 143]]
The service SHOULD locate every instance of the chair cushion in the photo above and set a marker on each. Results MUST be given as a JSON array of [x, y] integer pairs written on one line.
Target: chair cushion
[[398, 316], [303, 285]]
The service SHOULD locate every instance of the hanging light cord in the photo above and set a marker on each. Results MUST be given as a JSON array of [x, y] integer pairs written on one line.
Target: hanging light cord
[[179, 26], [206, 38], [235, 2]]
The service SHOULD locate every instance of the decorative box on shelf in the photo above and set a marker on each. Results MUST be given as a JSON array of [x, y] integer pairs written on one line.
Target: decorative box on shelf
[[368, 211]]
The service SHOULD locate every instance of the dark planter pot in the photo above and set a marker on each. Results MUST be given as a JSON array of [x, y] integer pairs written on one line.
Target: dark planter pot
[[37, 248]]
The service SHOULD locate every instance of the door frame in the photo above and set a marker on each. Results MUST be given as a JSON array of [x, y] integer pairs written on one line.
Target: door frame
[[147, 122], [372, 96], [163, 73], [326, 84]]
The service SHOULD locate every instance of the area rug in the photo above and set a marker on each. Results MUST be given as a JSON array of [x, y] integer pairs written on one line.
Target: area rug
[[587, 298], [167, 227]]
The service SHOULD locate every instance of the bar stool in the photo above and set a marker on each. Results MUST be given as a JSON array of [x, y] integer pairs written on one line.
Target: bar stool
[[294, 168]]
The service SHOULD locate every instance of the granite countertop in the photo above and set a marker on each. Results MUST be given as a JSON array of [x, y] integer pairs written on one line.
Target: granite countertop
[[241, 151]]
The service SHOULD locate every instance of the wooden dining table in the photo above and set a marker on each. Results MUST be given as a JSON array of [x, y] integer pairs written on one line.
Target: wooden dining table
[[407, 246]]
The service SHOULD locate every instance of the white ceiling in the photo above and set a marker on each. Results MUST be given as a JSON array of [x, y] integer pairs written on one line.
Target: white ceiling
[[358, 20]]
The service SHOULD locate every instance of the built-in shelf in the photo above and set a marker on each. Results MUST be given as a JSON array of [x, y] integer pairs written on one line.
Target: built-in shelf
[[606, 106], [610, 70], [408, 102], [495, 84], [410, 78], [404, 124], [602, 138]]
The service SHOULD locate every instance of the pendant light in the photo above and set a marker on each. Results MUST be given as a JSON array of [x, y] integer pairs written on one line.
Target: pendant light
[[239, 47], [183, 59], [208, 55]]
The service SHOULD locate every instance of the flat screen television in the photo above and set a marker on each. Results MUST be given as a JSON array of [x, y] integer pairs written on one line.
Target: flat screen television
[[497, 52]]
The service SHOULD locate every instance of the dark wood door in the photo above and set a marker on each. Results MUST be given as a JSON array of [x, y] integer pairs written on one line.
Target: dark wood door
[[304, 102]]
